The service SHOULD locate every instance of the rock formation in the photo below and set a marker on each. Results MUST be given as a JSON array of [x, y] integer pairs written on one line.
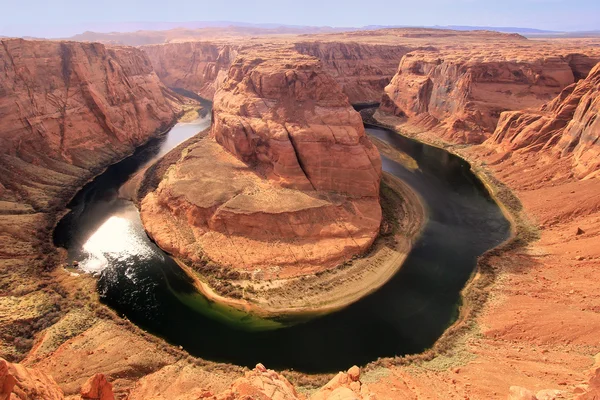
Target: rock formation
[[69, 108], [193, 66], [291, 184], [20, 383], [568, 126], [362, 70], [464, 92]]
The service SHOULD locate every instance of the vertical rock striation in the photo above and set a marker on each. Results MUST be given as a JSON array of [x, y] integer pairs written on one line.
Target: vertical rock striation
[[463, 93]]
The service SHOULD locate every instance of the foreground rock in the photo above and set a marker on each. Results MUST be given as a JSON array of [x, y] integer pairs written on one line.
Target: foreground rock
[[566, 127], [286, 185]]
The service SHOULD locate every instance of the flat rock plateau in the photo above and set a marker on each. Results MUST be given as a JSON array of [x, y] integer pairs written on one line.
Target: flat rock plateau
[[523, 112]]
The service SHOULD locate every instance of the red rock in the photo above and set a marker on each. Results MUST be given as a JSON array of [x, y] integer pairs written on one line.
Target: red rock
[[67, 109], [290, 119], [20, 383], [7, 381], [464, 91], [97, 388], [566, 127], [193, 66], [363, 70], [294, 187], [354, 373]]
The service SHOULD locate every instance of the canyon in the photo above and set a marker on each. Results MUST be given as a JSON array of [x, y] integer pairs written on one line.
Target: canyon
[[522, 112]]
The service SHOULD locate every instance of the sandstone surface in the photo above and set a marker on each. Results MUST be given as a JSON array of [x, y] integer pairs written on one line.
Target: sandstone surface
[[538, 329], [193, 66], [68, 108]]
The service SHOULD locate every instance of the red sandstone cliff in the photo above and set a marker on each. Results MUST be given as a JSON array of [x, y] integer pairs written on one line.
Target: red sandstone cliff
[[568, 126], [463, 93], [67, 109], [297, 189], [194, 66], [362, 70]]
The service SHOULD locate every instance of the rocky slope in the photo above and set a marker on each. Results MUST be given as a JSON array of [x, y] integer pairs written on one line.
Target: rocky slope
[[461, 93], [538, 328], [288, 183], [67, 110], [568, 126], [20, 383]]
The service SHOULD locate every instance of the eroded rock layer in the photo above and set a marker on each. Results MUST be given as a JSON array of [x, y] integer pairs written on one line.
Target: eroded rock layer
[[362, 70], [67, 109], [568, 126], [287, 180], [194, 66], [462, 93]]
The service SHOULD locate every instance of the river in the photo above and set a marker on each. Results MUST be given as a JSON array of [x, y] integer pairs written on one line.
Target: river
[[103, 233]]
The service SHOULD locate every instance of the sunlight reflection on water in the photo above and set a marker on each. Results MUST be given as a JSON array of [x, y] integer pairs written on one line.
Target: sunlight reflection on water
[[117, 240]]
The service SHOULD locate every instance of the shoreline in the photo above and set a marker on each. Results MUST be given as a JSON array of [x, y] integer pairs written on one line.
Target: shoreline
[[474, 294]]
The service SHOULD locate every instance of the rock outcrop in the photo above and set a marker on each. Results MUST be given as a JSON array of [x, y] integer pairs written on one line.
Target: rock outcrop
[[463, 93], [287, 184], [362, 70], [20, 383], [568, 126], [193, 66], [97, 388]]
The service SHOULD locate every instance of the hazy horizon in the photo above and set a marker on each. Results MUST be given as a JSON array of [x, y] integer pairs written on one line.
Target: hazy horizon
[[69, 17]]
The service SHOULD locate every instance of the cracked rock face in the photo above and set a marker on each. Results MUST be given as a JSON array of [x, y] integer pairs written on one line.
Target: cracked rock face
[[287, 182]]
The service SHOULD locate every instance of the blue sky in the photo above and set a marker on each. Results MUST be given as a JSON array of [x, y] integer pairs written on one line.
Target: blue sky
[[67, 17]]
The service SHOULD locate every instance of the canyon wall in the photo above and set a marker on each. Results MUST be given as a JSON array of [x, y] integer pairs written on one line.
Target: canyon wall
[[362, 70], [568, 126], [463, 93], [193, 66], [68, 109], [288, 182]]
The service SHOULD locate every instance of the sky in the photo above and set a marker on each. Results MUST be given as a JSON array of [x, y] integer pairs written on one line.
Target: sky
[[60, 18]]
